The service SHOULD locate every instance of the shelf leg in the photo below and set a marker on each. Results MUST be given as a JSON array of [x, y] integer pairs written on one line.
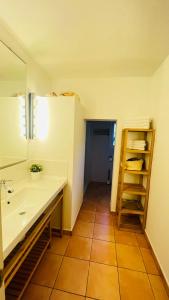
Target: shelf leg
[[61, 217]]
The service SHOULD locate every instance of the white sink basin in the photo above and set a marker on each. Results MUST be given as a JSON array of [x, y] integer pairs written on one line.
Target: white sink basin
[[21, 209], [26, 199]]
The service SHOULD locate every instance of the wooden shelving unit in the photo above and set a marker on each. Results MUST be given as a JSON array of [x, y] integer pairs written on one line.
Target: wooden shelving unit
[[138, 151], [134, 185], [134, 189], [142, 172]]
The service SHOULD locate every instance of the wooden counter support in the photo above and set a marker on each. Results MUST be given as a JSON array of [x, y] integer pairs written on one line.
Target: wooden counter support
[[24, 259]]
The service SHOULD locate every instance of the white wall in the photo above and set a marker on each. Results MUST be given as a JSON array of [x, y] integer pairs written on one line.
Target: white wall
[[158, 211], [11, 88], [111, 99]]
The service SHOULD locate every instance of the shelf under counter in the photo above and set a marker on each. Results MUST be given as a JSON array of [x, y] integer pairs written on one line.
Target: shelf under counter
[[21, 263]]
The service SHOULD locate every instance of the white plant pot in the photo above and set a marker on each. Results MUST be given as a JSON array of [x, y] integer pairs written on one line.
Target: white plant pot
[[35, 175]]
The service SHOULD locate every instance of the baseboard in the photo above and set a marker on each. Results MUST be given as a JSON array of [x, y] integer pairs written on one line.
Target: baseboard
[[56, 231], [85, 188], [158, 265]]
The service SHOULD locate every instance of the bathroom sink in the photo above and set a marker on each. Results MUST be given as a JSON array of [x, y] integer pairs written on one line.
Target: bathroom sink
[[26, 199], [21, 209]]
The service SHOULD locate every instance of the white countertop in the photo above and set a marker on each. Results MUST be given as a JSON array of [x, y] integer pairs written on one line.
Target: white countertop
[[27, 203]]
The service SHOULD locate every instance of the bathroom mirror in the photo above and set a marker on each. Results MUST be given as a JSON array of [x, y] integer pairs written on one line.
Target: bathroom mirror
[[13, 143]]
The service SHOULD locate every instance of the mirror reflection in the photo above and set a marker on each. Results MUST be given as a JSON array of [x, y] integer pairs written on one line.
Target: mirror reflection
[[13, 143]]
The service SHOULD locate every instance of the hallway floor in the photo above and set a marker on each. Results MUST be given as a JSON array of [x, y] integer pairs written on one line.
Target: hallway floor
[[98, 261]]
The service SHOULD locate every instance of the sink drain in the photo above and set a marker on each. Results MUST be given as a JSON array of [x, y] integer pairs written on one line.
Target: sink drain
[[22, 213]]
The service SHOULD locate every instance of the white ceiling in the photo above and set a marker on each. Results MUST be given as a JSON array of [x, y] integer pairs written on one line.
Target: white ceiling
[[11, 67], [91, 38]]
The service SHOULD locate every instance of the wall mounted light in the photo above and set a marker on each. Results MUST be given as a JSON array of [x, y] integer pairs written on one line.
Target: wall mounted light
[[30, 116], [22, 115], [38, 117]]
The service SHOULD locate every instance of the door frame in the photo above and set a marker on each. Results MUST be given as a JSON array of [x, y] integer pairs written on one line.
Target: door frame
[[115, 160]]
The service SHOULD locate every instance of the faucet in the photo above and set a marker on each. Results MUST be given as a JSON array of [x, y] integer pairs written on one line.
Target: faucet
[[6, 187]]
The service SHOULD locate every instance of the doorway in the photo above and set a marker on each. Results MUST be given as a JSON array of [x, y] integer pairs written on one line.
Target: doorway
[[99, 156]]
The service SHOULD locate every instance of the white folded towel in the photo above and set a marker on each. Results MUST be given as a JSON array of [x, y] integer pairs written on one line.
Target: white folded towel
[[140, 122], [136, 144]]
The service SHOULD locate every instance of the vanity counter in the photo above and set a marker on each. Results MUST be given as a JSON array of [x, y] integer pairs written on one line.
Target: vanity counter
[[23, 208]]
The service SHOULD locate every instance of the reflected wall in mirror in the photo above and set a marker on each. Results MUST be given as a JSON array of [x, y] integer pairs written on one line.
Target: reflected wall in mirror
[[13, 143]]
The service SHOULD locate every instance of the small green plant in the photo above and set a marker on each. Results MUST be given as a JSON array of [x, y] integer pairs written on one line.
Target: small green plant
[[36, 168]]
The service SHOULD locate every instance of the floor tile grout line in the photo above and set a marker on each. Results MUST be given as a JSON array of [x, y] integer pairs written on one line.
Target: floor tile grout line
[[118, 271], [51, 294], [143, 260], [85, 236], [58, 271], [136, 239], [101, 263], [96, 261], [67, 246], [139, 243], [89, 261], [90, 255], [87, 279], [92, 243], [84, 211], [97, 239], [61, 265], [93, 222], [147, 274], [157, 274], [68, 292], [42, 285], [115, 246]]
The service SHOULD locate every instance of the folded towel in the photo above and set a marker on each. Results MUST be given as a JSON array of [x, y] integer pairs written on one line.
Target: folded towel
[[140, 122]]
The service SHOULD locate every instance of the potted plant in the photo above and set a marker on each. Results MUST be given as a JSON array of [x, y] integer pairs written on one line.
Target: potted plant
[[35, 170]]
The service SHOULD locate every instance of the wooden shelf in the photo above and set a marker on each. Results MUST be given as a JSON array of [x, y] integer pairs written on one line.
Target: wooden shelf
[[132, 207], [142, 172], [137, 151], [23, 276], [131, 223], [134, 189], [20, 265], [138, 130]]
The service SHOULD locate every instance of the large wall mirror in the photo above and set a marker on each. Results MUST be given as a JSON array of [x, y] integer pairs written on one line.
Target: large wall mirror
[[13, 143]]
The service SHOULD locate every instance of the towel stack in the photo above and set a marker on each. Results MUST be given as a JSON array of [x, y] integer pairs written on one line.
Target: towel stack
[[137, 144], [141, 123]]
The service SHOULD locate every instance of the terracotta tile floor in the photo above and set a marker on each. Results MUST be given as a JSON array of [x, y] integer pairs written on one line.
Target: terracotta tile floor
[[97, 261]]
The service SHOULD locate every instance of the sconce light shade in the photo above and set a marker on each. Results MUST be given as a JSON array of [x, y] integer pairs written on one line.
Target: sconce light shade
[[30, 116], [38, 117]]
